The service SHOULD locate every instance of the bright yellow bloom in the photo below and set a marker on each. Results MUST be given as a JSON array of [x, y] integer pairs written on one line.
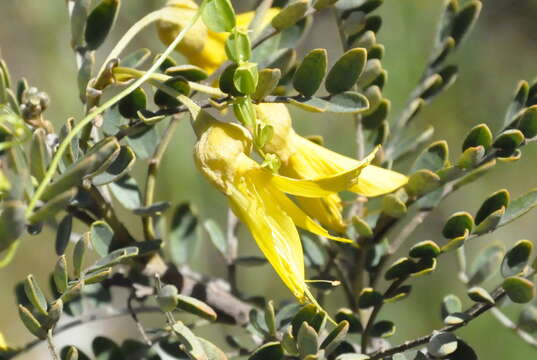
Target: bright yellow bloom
[[3, 345], [303, 159], [258, 198], [201, 46]]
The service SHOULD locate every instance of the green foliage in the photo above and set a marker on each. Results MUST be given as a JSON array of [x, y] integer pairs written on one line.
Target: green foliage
[[94, 183]]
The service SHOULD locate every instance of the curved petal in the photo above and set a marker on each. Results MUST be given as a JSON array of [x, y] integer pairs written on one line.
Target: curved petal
[[326, 210], [300, 218], [375, 181], [323, 186], [273, 231]]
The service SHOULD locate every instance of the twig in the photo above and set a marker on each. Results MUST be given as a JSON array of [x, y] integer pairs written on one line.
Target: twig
[[232, 243], [152, 172], [472, 313], [505, 321], [51, 346], [134, 316]]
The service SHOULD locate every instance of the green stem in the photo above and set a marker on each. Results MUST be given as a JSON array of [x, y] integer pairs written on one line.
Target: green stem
[[99, 110]]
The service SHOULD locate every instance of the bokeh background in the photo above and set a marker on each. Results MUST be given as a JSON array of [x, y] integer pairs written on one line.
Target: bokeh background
[[502, 49]]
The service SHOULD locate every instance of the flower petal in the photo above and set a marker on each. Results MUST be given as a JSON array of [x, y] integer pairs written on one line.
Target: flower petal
[[323, 186], [326, 210], [274, 232], [375, 181], [300, 218]]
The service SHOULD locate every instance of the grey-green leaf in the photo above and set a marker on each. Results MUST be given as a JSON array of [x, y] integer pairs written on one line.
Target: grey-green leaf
[[310, 73], [102, 236], [100, 22], [346, 71]]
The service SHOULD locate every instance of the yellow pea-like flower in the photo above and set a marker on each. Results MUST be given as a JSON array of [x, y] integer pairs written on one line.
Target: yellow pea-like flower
[[303, 159], [3, 345], [201, 46], [258, 197]]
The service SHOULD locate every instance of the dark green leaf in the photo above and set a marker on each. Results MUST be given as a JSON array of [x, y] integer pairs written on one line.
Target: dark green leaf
[[268, 351], [12, 223], [39, 156], [346, 71], [442, 344], [355, 326], [481, 295], [290, 14], [368, 298], [130, 105], [118, 168], [528, 122], [422, 182], [335, 337], [508, 141], [100, 22], [165, 100], [517, 258], [375, 119], [434, 157], [52, 207], [458, 224], [383, 329], [464, 20], [187, 71], [493, 203], [106, 349], [31, 323], [425, 249], [307, 340], [60, 276], [63, 234], [196, 307], [518, 103], [310, 73], [400, 268]]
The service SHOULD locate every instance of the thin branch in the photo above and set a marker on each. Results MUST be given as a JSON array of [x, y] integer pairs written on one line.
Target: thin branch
[[472, 313], [134, 317], [51, 346], [152, 172]]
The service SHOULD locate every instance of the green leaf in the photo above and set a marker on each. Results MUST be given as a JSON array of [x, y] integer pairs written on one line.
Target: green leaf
[[490, 223], [442, 344], [368, 298], [527, 123], [362, 227], [238, 47], [226, 81], [517, 258], [187, 71], [335, 337], [100, 22], [310, 73], [31, 323], [114, 257], [246, 78], [190, 343], [219, 15], [167, 298], [130, 105], [434, 157], [52, 207], [355, 326], [471, 157], [35, 295], [519, 289], [106, 349], [346, 71], [244, 111], [269, 351], [101, 237], [401, 268], [424, 266], [321, 4], [63, 234], [383, 329], [79, 253], [393, 206], [451, 304], [211, 350], [217, 237], [458, 224], [97, 277], [290, 14], [481, 295], [267, 83], [118, 168], [485, 264], [507, 142], [98, 156], [60, 276], [493, 203], [455, 243], [518, 102], [374, 120], [425, 249], [183, 234], [165, 100], [196, 307], [422, 182], [39, 156], [519, 207], [126, 191], [307, 340], [398, 294], [465, 20]]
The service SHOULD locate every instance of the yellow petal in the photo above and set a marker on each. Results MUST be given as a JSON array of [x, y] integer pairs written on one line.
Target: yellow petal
[[300, 218], [375, 181], [325, 185], [274, 232], [3, 345], [326, 210]]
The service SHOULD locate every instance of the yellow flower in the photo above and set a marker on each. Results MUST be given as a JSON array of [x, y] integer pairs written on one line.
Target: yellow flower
[[201, 46], [303, 159], [258, 198], [3, 345]]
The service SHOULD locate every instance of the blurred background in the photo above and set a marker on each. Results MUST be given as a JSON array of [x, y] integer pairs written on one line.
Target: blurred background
[[502, 49]]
